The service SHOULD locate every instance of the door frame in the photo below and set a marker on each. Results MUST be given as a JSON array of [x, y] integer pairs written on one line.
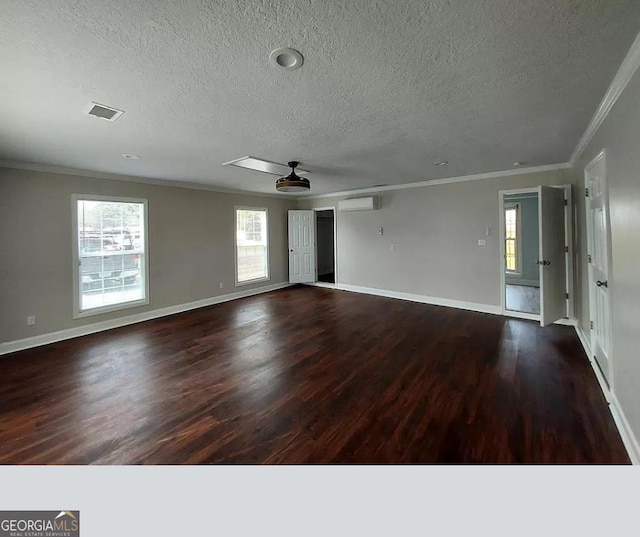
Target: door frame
[[568, 235], [602, 155], [335, 246]]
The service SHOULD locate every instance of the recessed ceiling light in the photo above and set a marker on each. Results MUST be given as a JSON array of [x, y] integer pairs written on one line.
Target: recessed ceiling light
[[518, 163], [286, 58], [441, 163], [131, 156], [261, 165]]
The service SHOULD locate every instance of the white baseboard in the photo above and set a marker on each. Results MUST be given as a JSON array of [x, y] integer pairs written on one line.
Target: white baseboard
[[423, 299], [52, 337], [624, 429], [587, 349], [628, 438]]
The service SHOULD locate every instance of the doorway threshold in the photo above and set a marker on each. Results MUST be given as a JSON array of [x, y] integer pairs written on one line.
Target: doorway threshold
[[521, 315], [323, 284]]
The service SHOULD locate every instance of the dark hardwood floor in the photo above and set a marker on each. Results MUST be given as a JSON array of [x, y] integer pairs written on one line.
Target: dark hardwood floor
[[309, 375]]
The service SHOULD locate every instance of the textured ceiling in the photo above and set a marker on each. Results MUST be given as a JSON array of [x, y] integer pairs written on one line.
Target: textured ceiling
[[386, 89]]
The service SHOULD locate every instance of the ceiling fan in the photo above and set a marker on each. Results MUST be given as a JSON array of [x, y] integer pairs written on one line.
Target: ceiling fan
[[292, 182]]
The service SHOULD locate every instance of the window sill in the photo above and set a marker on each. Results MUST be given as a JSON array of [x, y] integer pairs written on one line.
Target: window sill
[[109, 309]]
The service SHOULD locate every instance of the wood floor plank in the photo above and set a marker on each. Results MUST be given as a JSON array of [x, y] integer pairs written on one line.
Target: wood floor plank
[[309, 375]]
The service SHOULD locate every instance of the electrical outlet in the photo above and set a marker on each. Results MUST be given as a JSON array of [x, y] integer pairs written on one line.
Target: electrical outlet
[[221, 285], [482, 242], [393, 247], [31, 320]]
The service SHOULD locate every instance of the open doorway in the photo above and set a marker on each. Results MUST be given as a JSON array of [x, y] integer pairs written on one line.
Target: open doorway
[[536, 251], [522, 243], [325, 246]]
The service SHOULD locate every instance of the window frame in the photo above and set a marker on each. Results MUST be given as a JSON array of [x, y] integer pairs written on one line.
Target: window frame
[[518, 242], [79, 313], [235, 245]]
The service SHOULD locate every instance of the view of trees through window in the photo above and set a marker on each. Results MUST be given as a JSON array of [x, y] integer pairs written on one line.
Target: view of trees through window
[[111, 252], [251, 245], [511, 238]]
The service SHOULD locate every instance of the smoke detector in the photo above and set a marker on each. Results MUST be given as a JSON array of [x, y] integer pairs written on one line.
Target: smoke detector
[[286, 58], [102, 111]]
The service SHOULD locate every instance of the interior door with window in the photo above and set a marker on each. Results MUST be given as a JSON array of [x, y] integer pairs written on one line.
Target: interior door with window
[[302, 249], [552, 259], [598, 262]]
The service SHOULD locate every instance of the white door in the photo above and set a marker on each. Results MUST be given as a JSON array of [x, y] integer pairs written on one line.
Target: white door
[[598, 262], [552, 259], [302, 248]]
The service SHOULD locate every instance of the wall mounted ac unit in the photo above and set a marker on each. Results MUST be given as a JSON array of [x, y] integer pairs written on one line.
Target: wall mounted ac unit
[[358, 204]]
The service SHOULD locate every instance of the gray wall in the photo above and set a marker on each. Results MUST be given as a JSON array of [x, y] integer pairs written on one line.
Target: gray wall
[[530, 240], [191, 250], [324, 232], [619, 135], [435, 230]]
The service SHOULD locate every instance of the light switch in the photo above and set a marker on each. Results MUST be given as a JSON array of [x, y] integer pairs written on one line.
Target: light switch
[[482, 242]]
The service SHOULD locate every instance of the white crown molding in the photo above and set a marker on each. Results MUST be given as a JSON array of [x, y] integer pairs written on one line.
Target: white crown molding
[[47, 168], [52, 337], [625, 73], [447, 180]]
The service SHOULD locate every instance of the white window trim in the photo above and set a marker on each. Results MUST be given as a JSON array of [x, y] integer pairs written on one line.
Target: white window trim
[[235, 245], [518, 208], [77, 312]]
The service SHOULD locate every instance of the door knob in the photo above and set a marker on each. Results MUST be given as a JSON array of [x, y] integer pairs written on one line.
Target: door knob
[[601, 284], [546, 262]]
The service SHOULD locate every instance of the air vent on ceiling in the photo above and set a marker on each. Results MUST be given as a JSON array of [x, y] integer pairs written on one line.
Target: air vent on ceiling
[[103, 112]]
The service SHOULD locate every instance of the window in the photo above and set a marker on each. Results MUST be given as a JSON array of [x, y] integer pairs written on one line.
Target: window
[[252, 248], [110, 254], [513, 239]]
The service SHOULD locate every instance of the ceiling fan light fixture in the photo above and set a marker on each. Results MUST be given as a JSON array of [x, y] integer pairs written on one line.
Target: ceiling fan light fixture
[[293, 183]]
